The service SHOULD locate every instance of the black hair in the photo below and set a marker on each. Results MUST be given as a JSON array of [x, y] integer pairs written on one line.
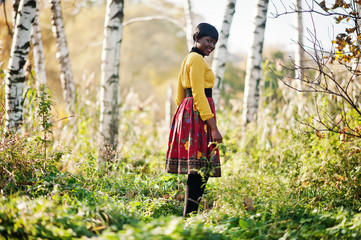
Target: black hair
[[205, 29]]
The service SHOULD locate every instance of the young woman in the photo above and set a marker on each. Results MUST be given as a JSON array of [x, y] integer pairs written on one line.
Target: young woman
[[193, 136]]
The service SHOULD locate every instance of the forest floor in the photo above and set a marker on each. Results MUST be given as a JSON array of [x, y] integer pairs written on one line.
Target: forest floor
[[277, 183]]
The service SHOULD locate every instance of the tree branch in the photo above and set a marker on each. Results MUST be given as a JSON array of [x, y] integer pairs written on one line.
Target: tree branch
[[6, 18]]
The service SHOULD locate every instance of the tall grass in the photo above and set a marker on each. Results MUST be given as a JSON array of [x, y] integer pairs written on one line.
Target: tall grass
[[279, 179]]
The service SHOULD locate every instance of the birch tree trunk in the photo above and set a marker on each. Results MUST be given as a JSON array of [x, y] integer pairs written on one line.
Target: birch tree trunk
[[220, 54], [189, 23], [15, 12], [299, 53], [38, 51], [254, 64], [15, 75], [66, 73], [109, 91]]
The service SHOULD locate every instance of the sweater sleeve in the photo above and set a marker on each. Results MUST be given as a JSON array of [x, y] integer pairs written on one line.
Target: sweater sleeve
[[197, 70]]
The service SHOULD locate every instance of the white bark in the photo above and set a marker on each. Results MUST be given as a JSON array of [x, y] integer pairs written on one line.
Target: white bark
[[15, 75], [299, 53], [38, 52], [189, 22], [15, 11], [220, 54], [254, 64], [109, 91], [66, 73]]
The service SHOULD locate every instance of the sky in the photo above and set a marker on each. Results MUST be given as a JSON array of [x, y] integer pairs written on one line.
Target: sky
[[280, 32]]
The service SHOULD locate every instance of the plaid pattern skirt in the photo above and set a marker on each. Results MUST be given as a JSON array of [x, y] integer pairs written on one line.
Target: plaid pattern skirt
[[190, 148]]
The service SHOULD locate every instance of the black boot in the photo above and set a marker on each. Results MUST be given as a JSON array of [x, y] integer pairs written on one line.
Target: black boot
[[193, 194]]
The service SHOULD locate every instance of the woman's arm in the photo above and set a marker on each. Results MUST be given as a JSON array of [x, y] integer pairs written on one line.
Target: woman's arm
[[216, 135]]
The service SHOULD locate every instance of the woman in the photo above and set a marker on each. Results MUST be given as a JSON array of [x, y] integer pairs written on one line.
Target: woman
[[192, 147]]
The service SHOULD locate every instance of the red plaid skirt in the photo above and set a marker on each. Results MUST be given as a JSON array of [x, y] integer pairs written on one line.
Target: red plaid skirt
[[190, 150]]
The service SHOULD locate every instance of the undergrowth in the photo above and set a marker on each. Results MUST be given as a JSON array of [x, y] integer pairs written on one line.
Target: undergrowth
[[279, 181]]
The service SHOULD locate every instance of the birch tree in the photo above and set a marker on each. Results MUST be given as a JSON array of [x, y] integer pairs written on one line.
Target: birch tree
[[220, 54], [109, 91], [189, 23], [15, 11], [299, 52], [15, 75], [66, 73], [254, 64], [38, 51]]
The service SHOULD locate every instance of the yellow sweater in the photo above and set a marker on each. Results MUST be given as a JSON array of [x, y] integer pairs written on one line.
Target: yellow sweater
[[197, 75]]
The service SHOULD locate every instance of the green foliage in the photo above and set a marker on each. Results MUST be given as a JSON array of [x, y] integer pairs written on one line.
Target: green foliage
[[330, 172], [25, 218], [279, 179], [22, 217], [165, 228], [23, 157], [277, 183]]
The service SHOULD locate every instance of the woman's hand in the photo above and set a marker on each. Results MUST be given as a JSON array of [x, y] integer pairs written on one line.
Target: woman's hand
[[216, 135]]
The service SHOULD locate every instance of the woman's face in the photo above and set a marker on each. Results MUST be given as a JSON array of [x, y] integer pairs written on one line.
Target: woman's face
[[206, 44]]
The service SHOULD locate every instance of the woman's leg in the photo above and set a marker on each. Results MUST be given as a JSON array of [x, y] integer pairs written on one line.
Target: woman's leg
[[193, 194]]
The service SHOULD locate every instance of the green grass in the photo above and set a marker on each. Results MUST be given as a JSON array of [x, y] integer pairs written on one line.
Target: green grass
[[279, 182]]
